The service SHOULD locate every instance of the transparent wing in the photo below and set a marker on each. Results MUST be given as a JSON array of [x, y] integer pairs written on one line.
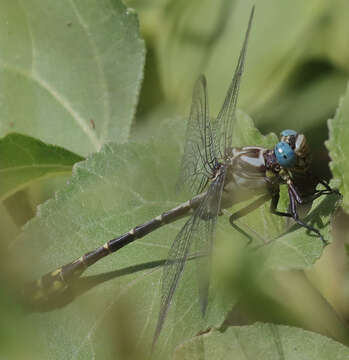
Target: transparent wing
[[203, 239], [199, 229], [199, 157], [226, 118]]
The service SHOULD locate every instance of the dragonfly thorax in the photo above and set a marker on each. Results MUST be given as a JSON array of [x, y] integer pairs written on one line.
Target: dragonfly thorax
[[253, 170], [245, 175]]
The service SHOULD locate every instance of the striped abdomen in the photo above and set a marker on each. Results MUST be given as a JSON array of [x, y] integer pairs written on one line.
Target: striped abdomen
[[58, 280]]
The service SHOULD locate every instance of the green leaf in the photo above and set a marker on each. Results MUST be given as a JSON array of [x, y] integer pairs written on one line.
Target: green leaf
[[338, 147], [332, 33], [110, 193], [306, 107], [205, 36], [70, 71], [262, 342], [25, 160]]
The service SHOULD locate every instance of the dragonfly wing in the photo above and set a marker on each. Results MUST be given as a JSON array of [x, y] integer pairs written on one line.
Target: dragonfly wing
[[198, 155], [204, 238], [200, 229], [226, 117]]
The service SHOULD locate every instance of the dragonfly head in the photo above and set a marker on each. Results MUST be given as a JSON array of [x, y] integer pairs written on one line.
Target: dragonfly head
[[292, 150]]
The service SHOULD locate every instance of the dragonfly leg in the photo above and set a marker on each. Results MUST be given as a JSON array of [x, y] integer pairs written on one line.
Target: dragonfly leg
[[328, 188], [246, 210], [327, 191], [300, 222], [273, 206], [317, 193], [241, 231], [293, 213]]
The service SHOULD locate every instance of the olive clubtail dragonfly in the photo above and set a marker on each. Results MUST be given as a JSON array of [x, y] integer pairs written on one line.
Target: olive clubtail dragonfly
[[220, 176]]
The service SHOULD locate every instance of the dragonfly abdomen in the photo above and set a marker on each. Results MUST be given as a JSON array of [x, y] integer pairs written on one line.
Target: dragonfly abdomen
[[57, 281]]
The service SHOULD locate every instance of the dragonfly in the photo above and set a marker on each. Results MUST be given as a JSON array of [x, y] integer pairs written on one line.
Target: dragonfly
[[219, 175]]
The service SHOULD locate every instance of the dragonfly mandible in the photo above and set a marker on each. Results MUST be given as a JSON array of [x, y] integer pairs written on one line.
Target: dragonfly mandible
[[220, 176]]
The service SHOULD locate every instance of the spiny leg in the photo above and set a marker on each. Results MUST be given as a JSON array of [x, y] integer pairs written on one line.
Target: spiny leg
[[293, 213], [246, 210], [241, 231], [317, 193], [300, 222], [328, 191], [328, 188]]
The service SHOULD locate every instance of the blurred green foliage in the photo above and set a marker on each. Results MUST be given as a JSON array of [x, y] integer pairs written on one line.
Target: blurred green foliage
[[27, 160], [296, 69]]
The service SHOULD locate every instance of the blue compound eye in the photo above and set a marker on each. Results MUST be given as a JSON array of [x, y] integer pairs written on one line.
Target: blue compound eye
[[288, 132], [285, 155]]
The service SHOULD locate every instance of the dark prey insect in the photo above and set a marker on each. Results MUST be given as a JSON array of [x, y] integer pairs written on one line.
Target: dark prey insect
[[221, 176]]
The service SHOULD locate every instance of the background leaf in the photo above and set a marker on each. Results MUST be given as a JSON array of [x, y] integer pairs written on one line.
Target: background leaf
[[295, 68], [194, 25], [339, 148], [188, 38], [25, 160], [261, 341], [70, 71], [109, 193]]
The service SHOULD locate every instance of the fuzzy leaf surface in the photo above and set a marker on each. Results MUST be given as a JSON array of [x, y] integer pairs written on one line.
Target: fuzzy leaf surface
[[338, 148], [70, 71], [262, 342], [109, 194], [25, 160]]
